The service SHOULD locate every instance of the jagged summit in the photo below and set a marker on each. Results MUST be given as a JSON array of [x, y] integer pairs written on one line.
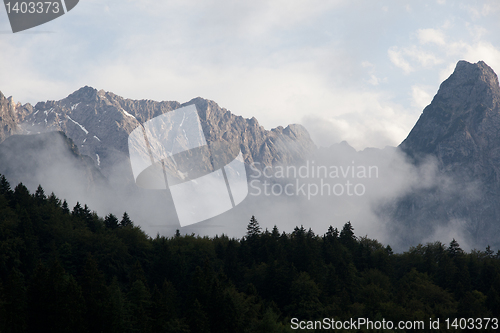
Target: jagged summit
[[462, 118], [84, 93], [99, 122], [460, 130], [470, 84]]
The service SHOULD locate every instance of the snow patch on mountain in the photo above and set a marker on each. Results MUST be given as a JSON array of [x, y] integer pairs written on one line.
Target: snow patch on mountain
[[128, 114], [83, 128]]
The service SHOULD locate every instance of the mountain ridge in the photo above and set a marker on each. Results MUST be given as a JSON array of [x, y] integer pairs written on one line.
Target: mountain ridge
[[453, 152], [99, 122]]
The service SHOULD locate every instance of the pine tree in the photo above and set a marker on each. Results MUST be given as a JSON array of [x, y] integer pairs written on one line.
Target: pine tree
[[347, 231], [126, 221], [77, 210], [253, 228], [4, 186], [489, 252], [332, 234], [22, 196], [90, 218], [275, 233], [39, 195], [53, 200], [454, 249], [347, 237], [111, 222], [87, 213], [65, 207]]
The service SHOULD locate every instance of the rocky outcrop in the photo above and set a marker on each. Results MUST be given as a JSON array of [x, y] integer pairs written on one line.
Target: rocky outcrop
[[460, 129], [8, 121], [460, 126]]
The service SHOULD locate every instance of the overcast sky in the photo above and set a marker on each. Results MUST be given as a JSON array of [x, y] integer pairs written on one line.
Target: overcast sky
[[360, 71]]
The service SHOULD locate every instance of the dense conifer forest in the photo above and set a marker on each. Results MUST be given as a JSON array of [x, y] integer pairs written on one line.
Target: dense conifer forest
[[66, 269]]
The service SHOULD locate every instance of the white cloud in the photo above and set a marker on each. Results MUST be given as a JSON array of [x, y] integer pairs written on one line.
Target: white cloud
[[248, 18], [431, 36], [367, 64], [362, 119], [373, 80], [474, 11], [476, 31], [400, 57], [20, 76], [424, 58], [396, 57], [492, 7]]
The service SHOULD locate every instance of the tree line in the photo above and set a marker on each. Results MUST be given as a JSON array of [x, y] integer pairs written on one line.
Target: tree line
[[69, 270]]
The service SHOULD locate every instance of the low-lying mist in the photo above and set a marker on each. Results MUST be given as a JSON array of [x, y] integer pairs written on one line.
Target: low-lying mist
[[334, 186]]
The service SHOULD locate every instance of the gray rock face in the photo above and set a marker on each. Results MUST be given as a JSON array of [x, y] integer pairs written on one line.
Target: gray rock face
[[8, 121], [460, 126], [99, 123], [461, 130]]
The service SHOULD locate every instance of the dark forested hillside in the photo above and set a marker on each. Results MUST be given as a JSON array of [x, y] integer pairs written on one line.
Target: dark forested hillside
[[66, 269]]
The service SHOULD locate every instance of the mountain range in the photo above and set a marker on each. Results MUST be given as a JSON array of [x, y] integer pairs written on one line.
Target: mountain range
[[99, 123], [96, 124], [453, 150]]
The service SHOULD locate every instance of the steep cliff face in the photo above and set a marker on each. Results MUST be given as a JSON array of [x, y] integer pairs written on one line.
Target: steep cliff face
[[461, 125], [8, 121], [278, 146], [460, 129], [99, 123]]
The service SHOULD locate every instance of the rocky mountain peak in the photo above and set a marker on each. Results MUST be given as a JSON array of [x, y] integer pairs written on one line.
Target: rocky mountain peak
[[470, 84], [479, 71], [462, 119], [83, 94], [459, 130]]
